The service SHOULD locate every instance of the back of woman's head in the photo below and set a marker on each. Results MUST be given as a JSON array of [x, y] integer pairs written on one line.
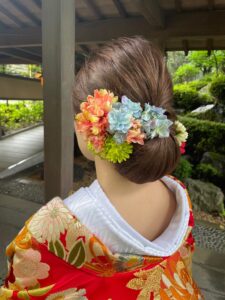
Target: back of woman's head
[[136, 68]]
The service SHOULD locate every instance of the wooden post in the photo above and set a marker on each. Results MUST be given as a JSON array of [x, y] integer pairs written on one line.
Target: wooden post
[[58, 50]]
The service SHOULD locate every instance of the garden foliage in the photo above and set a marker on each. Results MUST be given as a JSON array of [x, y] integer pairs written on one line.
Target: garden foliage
[[20, 114]]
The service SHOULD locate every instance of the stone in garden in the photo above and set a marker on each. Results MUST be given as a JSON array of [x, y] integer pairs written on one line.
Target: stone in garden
[[212, 112], [203, 108], [217, 160], [205, 196]]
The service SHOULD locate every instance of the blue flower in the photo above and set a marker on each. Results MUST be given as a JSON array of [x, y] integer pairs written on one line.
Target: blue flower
[[149, 127], [158, 110], [119, 120], [119, 138], [152, 112], [133, 107], [155, 122], [161, 128]]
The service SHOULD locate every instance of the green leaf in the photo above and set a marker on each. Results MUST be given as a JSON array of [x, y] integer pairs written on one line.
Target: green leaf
[[57, 248], [23, 295], [51, 247], [41, 291], [77, 254]]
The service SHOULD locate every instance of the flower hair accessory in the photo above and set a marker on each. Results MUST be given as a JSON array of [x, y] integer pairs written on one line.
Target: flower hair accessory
[[111, 127]]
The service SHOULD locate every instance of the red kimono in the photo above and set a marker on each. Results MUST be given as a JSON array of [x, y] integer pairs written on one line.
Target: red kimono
[[55, 257]]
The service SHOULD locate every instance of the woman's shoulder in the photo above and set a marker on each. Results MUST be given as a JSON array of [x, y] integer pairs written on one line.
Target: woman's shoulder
[[46, 224]]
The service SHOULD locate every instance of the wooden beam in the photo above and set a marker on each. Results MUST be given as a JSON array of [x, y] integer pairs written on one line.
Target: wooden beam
[[26, 37], [5, 60], [95, 9], [58, 28], [161, 44], [17, 53], [27, 50], [178, 5], [3, 26], [38, 3], [185, 47], [179, 26], [12, 17], [120, 8], [24, 10], [15, 87], [209, 46], [152, 12], [211, 4]]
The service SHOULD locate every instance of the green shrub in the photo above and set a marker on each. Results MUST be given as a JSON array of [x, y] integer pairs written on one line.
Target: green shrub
[[203, 135], [197, 84], [186, 72], [188, 98], [20, 115], [207, 172], [217, 88], [183, 169]]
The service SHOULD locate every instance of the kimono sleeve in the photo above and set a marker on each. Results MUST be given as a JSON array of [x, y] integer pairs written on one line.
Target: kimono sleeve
[[25, 268]]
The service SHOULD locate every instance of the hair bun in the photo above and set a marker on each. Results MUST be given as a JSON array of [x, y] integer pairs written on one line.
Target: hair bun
[[151, 161]]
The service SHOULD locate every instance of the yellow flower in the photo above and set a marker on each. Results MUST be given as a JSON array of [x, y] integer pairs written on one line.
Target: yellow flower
[[181, 132]]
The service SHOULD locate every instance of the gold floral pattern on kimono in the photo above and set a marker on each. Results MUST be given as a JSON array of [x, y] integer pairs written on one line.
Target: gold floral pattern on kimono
[[169, 280], [147, 281], [54, 239], [51, 220], [70, 294]]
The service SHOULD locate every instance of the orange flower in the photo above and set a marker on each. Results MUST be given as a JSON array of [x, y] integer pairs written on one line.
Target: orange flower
[[97, 142], [135, 135], [93, 121]]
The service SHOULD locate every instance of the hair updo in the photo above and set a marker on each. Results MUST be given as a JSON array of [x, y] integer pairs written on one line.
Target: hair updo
[[136, 68]]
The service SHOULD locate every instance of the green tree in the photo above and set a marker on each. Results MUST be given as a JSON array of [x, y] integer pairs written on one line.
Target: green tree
[[208, 63], [186, 72]]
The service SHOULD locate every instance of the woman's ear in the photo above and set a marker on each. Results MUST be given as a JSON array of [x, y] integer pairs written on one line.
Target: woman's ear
[[82, 143]]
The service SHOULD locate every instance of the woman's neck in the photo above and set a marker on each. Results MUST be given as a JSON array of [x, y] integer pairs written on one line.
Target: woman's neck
[[147, 207], [115, 184]]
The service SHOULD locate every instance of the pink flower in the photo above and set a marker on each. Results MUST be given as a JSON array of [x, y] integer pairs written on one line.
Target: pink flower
[[28, 267], [135, 136], [97, 142], [136, 124]]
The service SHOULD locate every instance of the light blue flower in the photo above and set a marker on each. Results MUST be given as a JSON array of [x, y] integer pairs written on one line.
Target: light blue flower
[[155, 122], [119, 120], [119, 138], [116, 105], [161, 128], [158, 110], [152, 112], [148, 127], [133, 107]]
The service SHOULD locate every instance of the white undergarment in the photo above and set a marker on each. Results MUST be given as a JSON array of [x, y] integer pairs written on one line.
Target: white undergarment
[[93, 208]]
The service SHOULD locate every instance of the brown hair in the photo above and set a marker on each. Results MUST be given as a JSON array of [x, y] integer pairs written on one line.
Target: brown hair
[[136, 68]]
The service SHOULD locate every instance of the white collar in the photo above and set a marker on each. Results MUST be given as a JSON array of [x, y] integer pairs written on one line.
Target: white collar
[[93, 208]]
